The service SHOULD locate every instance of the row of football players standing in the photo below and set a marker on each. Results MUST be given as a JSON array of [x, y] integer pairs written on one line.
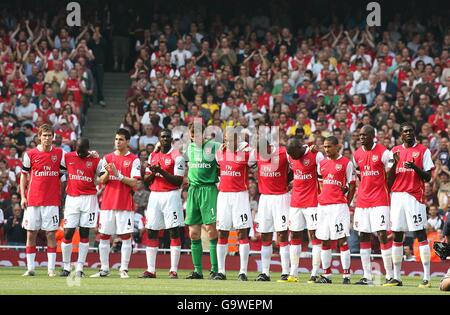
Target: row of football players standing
[[221, 209]]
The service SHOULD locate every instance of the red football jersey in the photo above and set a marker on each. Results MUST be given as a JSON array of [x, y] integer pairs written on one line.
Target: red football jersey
[[172, 162], [81, 174], [273, 172], [44, 187], [234, 167], [373, 190], [117, 195], [74, 87], [305, 185], [407, 180], [336, 174]]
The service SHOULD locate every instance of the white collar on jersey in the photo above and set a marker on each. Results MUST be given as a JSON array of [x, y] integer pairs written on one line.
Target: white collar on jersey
[[336, 159], [128, 153], [415, 143], [170, 151], [373, 147], [38, 147]]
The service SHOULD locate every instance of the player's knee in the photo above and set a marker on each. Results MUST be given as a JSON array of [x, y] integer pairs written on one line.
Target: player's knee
[[152, 234], [421, 235], [398, 237], [105, 237], [296, 235], [174, 233], [365, 237], [84, 232], [342, 242], [242, 235], [68, 234], [282, 236]]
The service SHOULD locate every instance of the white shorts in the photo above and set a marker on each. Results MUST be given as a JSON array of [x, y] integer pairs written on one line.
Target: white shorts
[[273, 213], [302, 218], [333, 222], [233, 211], [164, 210], [116, 222], [370, 220], [81, 211], [44, 218], [407, 214]]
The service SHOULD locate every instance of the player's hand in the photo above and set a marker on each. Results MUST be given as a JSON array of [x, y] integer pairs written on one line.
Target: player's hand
[[157, 147], [93, 154], [344, 190], [410, 164], [114, 169], [155, 169], [222, 147], [314, 148], [24, 203], [396, 156]]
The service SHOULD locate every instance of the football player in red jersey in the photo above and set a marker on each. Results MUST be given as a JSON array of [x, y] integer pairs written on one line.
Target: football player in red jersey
[[372, 203], [81, 208], [119, 174], [303, 162], [412, 165], [164, 174], [40, 190], [333, 216]]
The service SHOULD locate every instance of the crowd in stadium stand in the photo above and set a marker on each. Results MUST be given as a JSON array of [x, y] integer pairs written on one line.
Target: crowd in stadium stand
[[324, 78]]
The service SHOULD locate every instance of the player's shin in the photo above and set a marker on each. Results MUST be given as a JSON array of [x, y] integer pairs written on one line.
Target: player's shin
[[386, 254], [150, 252], [325, 256], [125, 252], [31, 256], [365, 251], [345, 260], [425, 256], [66, 249], [83, 249], [197, 253], [104, 248], [295, 251], [244, 251], [175, 251], [222, 250], [397, 257], [213, 255], [316, 249], [51, 256], [266, 256]]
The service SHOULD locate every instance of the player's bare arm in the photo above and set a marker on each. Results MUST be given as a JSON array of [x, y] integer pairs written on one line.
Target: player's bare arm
[[123, 179], [424, 175], [23, 189], [351, 192], [173, 179], [391, 172]]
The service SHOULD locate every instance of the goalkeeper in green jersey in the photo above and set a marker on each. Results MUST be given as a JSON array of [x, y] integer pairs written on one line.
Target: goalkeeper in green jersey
[[201, 205]]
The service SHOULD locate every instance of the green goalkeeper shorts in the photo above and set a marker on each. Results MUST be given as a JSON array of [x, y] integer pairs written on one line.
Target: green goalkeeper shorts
[[201, 207]]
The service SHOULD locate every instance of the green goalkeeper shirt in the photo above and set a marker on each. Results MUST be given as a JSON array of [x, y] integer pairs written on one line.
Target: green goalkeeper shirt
[[202, 165]]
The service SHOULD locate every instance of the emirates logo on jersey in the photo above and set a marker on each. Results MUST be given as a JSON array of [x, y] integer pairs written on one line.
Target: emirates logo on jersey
[[88, 164], [80, 172], [126, 163], [415, 155], [374, 158], [338, 167], [306, 162], [54, 158]]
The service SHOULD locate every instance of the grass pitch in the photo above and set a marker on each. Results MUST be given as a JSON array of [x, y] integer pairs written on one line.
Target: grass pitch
[[12, 282]]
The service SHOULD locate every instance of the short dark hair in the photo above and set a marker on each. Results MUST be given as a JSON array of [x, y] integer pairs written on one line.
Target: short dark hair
[[332, 139], [124, 132], [166, 130], [407, 124]]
